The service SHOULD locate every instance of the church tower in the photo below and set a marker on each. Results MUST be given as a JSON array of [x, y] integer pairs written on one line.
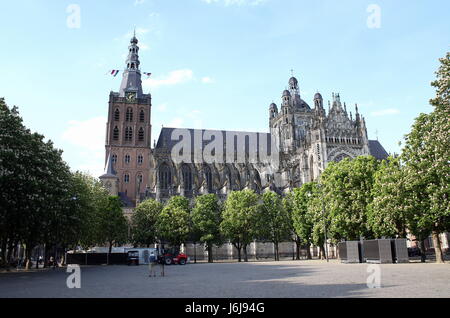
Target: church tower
[[128, 132]]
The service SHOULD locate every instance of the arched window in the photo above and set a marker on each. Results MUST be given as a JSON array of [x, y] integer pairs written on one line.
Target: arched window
[[140, 159], [127, 159], [165, 177], [117, 114], [139, 178], [187, 177], [208, 177], [126, 178], [114, 158], [141, 134], [257, 180], [129, 115], [128, 134], [238, 178], [340, 157], [228, 176], [116, 133], [142, 116]]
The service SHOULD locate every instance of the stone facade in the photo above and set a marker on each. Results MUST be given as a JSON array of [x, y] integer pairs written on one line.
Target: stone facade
[[303, 139]]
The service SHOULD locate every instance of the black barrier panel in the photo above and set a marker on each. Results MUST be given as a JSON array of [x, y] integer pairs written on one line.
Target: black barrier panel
[[378, 251], [97, 258], [342, 248], [350, 252], [79, 259], [118, 259], [371, 250], [399, 251]]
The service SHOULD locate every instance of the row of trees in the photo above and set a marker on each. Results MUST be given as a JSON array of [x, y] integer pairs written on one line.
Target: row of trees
[[363, 197], [242, 218], [42, 202]]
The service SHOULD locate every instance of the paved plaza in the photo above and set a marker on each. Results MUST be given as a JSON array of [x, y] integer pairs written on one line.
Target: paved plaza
[[286, 279]]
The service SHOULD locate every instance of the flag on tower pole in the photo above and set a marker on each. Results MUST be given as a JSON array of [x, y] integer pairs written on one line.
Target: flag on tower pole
[[148, 74], [114, 72]]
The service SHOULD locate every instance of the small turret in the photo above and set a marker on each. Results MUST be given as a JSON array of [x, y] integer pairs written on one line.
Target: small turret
[[318, 101], [109, 179], [286, 98], [273, 110]]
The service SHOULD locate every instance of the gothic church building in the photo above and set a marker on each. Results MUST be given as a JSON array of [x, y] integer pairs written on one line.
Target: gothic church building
[[308, 138]]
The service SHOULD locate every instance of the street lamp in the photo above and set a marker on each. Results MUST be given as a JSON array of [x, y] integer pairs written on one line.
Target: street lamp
[[324, 221]]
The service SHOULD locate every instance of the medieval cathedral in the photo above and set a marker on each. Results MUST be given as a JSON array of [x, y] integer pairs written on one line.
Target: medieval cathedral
[[307, 139]]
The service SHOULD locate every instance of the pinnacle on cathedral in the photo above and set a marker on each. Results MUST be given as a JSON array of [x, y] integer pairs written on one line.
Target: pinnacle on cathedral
[[131, 81]]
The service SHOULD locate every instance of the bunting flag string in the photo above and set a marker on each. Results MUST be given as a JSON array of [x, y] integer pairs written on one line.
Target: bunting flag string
[[116, 72]]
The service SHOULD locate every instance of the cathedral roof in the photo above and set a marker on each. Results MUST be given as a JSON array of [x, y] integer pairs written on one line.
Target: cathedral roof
[[165, 141], [286, 93], [377, 150], [318, 96]]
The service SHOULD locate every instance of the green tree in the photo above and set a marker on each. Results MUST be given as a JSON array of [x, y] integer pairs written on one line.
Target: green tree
[[391, 205], [206, 218], [173, 223], [426, 155], [113, 226], [273, 221], [239, 219], [144, 222], [346, 188], [302, 221], [318, 215]]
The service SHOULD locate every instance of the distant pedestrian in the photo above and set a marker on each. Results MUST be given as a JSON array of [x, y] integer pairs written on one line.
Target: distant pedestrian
[[153, 264]]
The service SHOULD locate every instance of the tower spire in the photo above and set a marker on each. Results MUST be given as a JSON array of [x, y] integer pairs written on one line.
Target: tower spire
[[131, 81]]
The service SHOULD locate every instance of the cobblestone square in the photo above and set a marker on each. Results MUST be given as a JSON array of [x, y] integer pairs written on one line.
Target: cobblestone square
[[285, 279]]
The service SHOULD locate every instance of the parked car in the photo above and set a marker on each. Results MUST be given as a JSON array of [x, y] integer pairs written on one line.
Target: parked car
[[132, 258], [414, 251]]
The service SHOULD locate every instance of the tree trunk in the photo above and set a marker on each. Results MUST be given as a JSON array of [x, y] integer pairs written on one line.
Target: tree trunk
[[37, 256], [423, 255], [297, 250], [245, 253], [308, 251], [10, 252], [3, 256], [109, 251], [437, 247], [27, 257], [195, 252], [276, 251], [210, 256], [238, 247], [322, 252]]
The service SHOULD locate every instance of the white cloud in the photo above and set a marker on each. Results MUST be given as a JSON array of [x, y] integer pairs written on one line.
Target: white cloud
[[88, 140], [186, 119], [173, 78], [162, 107], [384, 112], [236, 2], [207, 80], [143, 46], [138, 2], [176, 123]]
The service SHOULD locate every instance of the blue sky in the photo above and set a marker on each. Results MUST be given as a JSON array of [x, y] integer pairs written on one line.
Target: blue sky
[[217, 64]]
